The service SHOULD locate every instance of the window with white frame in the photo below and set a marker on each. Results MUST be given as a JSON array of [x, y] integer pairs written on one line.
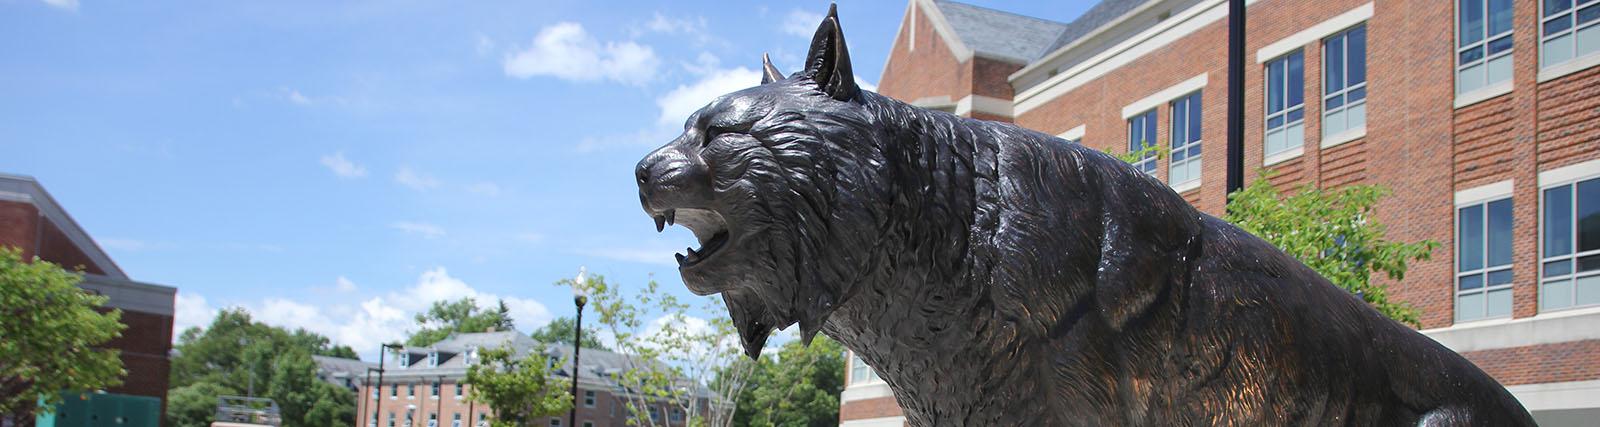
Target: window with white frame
[[1344, 81], [1569, 29], [1141, 135], [411, 391], [1483, 43], [859, 371], [434, 393], [433, 359], [1483, 260], [588, 398], [433, 420], [455, 420], [1285, 103], [1185, 154], [1571, 255], [458, 390], [405, 359]]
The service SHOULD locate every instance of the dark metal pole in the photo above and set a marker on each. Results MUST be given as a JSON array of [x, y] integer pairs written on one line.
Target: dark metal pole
[[577, 346], [1235, 151], [379, 410]]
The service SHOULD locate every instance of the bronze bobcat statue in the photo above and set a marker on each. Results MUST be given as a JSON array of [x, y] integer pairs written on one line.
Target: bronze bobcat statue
[[997, 276]]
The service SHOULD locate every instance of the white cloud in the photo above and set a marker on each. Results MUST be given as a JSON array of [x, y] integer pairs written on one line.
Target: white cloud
[[800, 23], [71, 5], [662, 24], [677, 104], [365, 324], [485, 45], [295, 97], [343, 284], [414, 180], [566, 51], [424, 229], [191, 310], [484, 188], [343, 167]]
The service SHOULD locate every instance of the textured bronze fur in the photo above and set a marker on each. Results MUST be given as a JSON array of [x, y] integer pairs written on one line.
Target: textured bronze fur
[[996, 276]]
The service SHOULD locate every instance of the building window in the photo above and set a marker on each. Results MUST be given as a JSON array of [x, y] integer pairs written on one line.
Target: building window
[[588, 398], [483, 420], [433, 420], [675, 415], [1569, 30], [860, 372], [1186, 122], [1285, 103], [1141, 135], [391, 419], [435, 391], [1483, 43], [411, 391], [1571, 256], [655, 415], [433, 359], [394, 390], [375, 392], [455, 420], [405, 359], [1483, 260], [1344, 81], [588, 424], [373, 422], [458, 390], [555, 422]]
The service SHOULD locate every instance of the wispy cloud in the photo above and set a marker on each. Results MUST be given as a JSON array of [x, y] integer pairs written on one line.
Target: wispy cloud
[[343, 167], [71, 5], [423, 229], [343, 284], [566, 51], [414, 180], [484, 45], [800, 23], [676, 105]]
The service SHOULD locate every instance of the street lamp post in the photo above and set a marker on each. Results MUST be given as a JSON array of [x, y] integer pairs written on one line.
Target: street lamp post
[[580, 296], [381, 352]]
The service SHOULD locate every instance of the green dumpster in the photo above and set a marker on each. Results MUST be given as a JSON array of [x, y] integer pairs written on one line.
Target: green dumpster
[[103, 410]]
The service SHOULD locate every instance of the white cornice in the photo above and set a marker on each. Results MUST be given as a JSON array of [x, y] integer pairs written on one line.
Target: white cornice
[[1484, 193], [1566, 174], [1545, 328], [1074, 133], [983, 104], [1161, 97], [1315, 32]]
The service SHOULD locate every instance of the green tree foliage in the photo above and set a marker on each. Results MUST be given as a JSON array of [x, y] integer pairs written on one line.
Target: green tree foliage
[[673, 357], [559, 331], [519, 390], [463, 315], [50, 335], [798, 388], [1333, 232], [236, 355]]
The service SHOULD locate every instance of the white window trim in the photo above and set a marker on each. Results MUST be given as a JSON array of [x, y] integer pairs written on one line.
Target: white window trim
[[1164, 96], [1073, 134], [1485, 93], [1563, 68], [1186, 186], [1568, 175], [1193, 182], [1479, 196], [1286, 155], [1343, 137], [1484, 193], [1315, 33]]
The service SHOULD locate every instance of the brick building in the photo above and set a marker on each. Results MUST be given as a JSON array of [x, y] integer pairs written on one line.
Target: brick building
[[426, 384], [1482, 116], [32, 221]]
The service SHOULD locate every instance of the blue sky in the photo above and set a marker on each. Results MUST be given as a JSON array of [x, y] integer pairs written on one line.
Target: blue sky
[[339, 166]]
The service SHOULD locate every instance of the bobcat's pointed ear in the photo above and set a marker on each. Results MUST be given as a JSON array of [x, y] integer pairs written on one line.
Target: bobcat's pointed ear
[[769, 73], [828, 63]]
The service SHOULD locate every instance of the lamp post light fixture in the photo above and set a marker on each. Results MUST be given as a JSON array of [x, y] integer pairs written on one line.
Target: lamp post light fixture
[[580, 296], [381, 352]]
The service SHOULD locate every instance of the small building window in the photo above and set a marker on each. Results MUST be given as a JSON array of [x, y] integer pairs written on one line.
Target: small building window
[[435, 391], [394, 390], [859, 371], [1483, 43], [1142, 135], [411, 391], [455, 420], [1186, 123], [433, 420], [588, 398], [1285, 103], [1483, 260], [675, 415], [458, 389], [1569, 29], [405, 359], [1344, 81], [1571, 251], [555, 422], [433, 359]]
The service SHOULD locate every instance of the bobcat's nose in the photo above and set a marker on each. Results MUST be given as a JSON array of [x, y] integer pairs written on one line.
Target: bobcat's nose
[[670, 178]]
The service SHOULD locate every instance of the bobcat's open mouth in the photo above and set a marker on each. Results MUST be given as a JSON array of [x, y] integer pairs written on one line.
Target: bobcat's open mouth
[[708, 227]]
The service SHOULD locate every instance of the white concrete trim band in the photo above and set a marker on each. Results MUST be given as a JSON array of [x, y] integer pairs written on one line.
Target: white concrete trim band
[[1566, 174], [1484, 193], [1315, 33], [1157, 99]]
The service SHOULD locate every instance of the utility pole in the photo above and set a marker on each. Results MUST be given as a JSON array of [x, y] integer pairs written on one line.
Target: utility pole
[[1235, 151]]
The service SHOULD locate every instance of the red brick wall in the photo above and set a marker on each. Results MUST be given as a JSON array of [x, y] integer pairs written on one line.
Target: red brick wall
[[18, 224], [54, 246], [869, 408], [1533, 364], [145, 345], [1569, 119], [929, 70], [609, 409]]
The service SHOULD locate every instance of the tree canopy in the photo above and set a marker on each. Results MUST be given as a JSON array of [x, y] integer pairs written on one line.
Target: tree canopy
[[463, 315], [50, 335], [236, 355], [799, 387], [519, 390], [559, 331]]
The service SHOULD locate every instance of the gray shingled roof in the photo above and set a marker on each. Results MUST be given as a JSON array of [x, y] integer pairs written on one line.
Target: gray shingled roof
[[1001, 34], [456, 350], [1101, 14]]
